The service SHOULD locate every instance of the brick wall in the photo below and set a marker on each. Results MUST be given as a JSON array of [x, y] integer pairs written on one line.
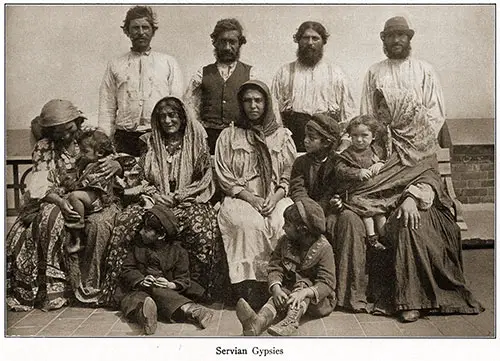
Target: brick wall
[[473, 173]]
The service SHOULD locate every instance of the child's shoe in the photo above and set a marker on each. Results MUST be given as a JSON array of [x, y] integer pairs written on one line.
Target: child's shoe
[[289, 326], [201, 315], [254, 324], [373, 242], [147, 316]]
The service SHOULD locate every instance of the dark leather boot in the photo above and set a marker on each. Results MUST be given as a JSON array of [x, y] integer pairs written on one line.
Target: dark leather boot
[[200, 315], [147, 316], [254, 324]]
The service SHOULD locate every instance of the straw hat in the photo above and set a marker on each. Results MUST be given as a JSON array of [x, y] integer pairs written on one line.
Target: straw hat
[[57, 112]]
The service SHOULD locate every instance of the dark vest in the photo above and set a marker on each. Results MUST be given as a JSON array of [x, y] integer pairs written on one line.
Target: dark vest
[[219, 103]]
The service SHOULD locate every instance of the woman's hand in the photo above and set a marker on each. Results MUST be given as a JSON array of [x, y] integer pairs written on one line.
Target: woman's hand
[[365, 174], [279, 296], [409, 212], [165, 199], [375, 168], [297, 297], [109, 168], [67, 211], [336, 203], [271, 201], [148, 281]]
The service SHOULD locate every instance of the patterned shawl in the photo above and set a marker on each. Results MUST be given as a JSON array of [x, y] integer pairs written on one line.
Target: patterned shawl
[[413, 138], [191, 183], [256, 133]]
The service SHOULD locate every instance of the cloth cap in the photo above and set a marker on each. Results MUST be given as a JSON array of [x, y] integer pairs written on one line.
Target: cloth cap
[[397, 23], [167, 218], [325, 125], [57, 112], [312, 215]]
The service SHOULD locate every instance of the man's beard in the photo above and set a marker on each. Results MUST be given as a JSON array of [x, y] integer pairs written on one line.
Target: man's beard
[[227, 56], [309, 56], [405, 52]]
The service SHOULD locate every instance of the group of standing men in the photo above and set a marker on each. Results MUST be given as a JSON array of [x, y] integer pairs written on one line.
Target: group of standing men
[[134, 82]]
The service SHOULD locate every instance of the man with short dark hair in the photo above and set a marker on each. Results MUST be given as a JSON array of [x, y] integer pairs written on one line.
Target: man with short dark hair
[[311, 85], [403, 76], [134, 82], [211, 92]]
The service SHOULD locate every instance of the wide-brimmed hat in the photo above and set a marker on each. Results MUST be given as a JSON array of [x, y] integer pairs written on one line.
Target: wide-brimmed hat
[[57, 112], [397, 24]]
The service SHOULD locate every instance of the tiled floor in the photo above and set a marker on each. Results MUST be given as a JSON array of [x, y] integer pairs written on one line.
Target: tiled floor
[[74, 321]]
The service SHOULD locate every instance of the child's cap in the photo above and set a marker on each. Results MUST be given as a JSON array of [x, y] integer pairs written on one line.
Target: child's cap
[[167, 218], [312, 215], [325, 125]]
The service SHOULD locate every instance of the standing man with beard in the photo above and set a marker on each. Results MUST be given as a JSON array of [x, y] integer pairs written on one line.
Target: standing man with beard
[[134, 82], [414, 80], [211, 93], [311, 85]]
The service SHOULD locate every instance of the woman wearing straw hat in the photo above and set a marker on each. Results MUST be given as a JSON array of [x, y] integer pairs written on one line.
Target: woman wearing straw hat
[[36, 262]]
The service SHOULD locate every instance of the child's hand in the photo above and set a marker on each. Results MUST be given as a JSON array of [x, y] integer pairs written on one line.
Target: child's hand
[[148, 281], [161, 282], [375, 168], [336, 203], [297, 297], [279, 296], [365, 174]]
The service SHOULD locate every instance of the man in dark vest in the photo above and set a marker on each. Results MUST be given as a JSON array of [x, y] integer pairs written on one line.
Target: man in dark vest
[[211, 92]]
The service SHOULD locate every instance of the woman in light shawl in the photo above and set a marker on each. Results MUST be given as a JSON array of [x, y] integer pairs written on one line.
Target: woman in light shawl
[[425, 270], [177, 164], [253, 161], [39, 271]]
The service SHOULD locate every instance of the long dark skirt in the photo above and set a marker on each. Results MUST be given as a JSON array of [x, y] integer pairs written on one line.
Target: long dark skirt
[[428, 269]]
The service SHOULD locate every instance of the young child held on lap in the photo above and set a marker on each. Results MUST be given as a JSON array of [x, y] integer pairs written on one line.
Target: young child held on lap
[[360, 162]]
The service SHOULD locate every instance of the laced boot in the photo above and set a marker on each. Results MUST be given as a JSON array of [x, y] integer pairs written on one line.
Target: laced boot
[[373, 241], [199, 314], [289, 326], [254, 324], [147, 316]]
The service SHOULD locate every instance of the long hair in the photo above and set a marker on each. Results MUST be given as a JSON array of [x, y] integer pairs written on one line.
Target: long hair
[[314, 25]]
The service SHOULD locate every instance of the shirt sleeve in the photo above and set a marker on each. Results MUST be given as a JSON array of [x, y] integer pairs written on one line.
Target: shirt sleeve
[[366, 106], [298, 188], [433, 100], [228, 182], [192, 96], [181, 271], [423, 193], [324, 283], [344, 99], [131, 276], [275, 268], [279, 89], [289, 153], [107, 102], [345, 171], [176, 82]]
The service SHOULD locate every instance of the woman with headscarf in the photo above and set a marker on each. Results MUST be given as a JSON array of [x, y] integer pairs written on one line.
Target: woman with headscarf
[[424, 270], [178, 171], [253, 161], [39, 272]]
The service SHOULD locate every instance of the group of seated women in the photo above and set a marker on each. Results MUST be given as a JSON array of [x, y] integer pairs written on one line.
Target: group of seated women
[[418, 269]]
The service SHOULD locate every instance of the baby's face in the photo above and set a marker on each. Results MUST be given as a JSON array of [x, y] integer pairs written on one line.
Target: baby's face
[[88, 152]]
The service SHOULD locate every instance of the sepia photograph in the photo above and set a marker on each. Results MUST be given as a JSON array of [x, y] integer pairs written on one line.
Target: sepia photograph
[[234, 178]]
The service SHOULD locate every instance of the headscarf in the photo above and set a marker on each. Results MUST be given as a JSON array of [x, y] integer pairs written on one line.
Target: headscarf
[[194, 147], [256, 133], [413, 137]]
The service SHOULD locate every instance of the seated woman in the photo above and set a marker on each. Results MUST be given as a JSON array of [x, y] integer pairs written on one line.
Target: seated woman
[[38, 269], [178, 172], [253, 161], [422, 237]]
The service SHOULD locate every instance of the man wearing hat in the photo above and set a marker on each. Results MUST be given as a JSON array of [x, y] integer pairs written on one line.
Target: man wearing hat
[[401, 75], [311, 84], [134, 82]]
